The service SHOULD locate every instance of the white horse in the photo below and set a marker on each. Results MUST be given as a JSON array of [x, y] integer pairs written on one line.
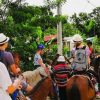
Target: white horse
[[33, 77]]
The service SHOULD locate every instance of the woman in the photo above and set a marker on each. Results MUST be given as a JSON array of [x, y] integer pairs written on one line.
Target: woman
[[6, 86]]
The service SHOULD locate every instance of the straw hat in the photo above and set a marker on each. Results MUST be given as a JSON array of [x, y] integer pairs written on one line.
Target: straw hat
[[3, 38]]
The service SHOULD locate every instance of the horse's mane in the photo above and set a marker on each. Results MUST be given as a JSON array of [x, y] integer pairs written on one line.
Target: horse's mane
[[36, 87], [33, 77]]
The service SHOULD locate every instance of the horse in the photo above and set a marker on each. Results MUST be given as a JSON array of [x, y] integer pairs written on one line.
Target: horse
[[33, 78], [96, 65], [41, 90], [80, 87], [42, 86]]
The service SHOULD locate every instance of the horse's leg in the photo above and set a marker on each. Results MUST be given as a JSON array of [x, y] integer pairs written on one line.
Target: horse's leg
[[99, 79], [53, 93]]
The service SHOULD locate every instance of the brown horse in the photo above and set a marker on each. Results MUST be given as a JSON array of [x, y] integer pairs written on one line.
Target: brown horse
[[79, 87], [41, 90], [42, 87]]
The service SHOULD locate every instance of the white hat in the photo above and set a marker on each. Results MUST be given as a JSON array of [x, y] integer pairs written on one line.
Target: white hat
[[77, 38], [61, 59], [3, 38]]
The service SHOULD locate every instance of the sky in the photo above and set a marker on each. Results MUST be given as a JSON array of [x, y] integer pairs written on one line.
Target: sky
[[71, 6]]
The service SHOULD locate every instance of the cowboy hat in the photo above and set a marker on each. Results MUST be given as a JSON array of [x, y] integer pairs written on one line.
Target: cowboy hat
[[77, 38], [61, 59]]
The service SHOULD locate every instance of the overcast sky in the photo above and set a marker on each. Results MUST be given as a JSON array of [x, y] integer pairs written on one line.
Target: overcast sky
[[72, 6]]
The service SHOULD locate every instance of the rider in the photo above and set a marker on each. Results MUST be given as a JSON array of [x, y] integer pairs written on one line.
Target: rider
[[80, 54], [61, 72], [89, 45], [37, 58], [38, 61]]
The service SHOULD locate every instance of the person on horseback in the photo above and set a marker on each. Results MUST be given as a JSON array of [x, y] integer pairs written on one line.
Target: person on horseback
[[80, 54], [81, 57], [89, 45], [6, 57], [38, 61], [61, 72]]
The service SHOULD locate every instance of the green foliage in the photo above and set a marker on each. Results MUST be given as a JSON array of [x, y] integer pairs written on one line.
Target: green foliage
[[69, 30], [27, 25], [96, 44], [65, 50], [89, 25], [50, 31], [54, 3]]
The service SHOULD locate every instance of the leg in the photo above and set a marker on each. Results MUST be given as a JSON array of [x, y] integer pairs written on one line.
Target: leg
[[62, 93]]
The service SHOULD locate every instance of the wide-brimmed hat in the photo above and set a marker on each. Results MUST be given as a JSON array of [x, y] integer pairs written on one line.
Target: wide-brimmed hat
[[61, 59], [77, 38], [3, 38]]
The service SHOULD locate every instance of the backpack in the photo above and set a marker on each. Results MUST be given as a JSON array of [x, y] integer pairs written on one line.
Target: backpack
[[80, 60], [1, 56]]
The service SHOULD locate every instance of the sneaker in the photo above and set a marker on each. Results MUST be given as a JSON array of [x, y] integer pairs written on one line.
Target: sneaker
[[98, 95]]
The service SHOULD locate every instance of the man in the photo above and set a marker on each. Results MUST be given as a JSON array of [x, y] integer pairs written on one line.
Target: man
[[38, 61], [37, 58], [89, 45], [6, 57], [61, 72]]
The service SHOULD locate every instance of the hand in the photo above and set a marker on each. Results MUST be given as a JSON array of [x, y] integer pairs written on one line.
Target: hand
[[18, 70], [19, 87], [16, 83]]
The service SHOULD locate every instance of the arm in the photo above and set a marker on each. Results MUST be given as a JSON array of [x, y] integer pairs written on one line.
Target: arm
[[88, 55], [11, 64], [41, 63], [14, 69], [88, 58], [13, 86]]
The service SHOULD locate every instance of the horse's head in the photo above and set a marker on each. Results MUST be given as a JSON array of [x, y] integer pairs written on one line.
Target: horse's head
[[33, 77]]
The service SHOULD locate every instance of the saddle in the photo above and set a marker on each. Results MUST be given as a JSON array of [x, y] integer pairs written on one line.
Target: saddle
[[89, 74]]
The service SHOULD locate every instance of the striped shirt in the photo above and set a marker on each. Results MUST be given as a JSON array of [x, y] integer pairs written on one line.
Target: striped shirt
[[61, 72]]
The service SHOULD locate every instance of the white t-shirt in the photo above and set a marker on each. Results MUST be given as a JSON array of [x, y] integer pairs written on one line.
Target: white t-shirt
[[36, 58], [5, 81]]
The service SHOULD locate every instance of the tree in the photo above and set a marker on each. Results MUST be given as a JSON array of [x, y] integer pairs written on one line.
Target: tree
[[96, 16]]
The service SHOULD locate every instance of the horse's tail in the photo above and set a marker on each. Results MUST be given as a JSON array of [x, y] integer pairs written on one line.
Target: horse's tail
[[73, 93]]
